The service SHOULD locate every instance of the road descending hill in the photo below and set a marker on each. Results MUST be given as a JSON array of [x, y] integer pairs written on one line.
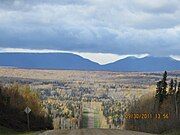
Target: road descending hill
[[93, 132]]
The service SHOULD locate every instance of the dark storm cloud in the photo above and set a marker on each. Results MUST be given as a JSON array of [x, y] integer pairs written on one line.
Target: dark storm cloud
[[121, 27]]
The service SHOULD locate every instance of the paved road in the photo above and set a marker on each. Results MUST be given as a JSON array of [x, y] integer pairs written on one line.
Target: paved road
[[93, 132]]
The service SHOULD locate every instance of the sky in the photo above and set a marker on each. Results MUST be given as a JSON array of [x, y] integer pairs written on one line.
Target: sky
[[101, 30]]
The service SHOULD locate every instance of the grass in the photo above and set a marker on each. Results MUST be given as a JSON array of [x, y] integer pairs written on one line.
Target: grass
[[85, 118], [7, 131], [96, 119]]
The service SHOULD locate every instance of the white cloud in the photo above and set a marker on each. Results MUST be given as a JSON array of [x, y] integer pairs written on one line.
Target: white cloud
[[176, 57], [21, 50], [105, 58]]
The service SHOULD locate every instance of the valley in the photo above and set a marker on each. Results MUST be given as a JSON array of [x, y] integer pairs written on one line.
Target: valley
[[85, 99]]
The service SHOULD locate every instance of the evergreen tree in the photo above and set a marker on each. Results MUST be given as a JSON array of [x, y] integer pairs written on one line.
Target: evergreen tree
[[171, 86], [161, 92], [175, 85], [158, 87], [158, 91], [164, 84], [1, 98], [178, 92], [0, 92]]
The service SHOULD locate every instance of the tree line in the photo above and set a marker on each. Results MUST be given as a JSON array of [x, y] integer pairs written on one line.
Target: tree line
[[163, 93]]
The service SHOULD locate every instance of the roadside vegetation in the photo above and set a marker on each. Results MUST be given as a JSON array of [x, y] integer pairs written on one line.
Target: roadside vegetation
[[13, 100], [162, 109], [7, 131]]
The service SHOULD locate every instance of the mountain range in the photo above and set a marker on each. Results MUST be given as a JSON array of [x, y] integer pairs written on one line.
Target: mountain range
[[68, 61]]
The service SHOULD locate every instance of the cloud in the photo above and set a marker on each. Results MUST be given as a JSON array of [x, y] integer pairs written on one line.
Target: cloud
[[95, 26], [156, 7], [176, 57]]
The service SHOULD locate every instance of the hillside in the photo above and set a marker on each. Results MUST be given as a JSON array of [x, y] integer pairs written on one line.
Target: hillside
[[13, 100], [148, 63], [157, 111], [70, 61], [47, 61]]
